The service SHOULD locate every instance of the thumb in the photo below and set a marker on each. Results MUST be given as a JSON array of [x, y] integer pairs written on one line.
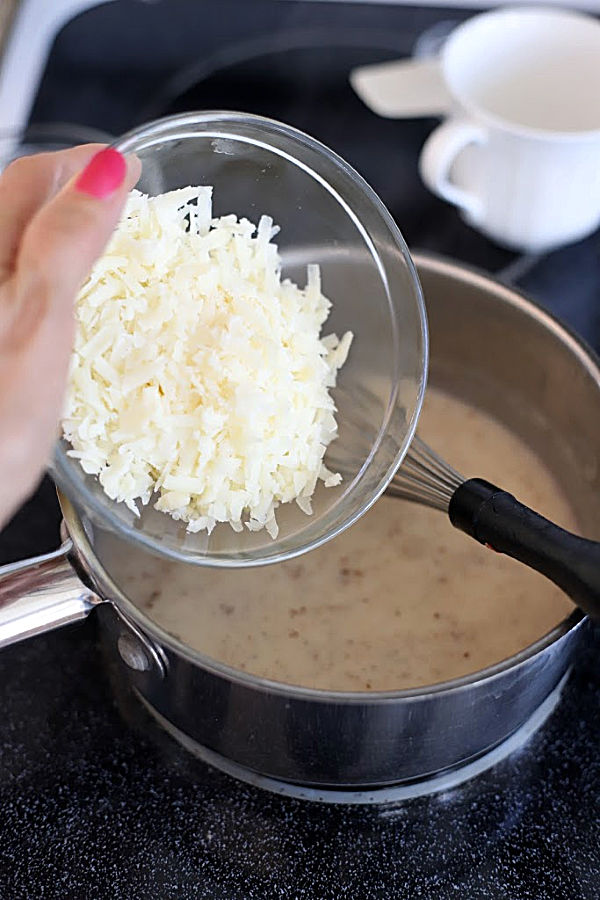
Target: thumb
[[68, 234]]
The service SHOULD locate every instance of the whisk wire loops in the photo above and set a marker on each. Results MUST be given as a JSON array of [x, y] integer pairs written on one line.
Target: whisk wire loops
[[424, 477]]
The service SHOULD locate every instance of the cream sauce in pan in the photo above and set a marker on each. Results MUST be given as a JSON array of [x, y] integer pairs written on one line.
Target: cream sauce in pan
[[399, 600]]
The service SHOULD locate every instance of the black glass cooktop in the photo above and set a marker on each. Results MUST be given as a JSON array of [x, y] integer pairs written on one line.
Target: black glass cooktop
[[95, 800]]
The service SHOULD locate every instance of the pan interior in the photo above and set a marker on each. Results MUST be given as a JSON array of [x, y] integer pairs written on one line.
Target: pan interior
[[355, 621], [399, 601]]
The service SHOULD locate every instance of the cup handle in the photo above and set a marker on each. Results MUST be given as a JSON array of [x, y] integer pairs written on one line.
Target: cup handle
[[435, 164]]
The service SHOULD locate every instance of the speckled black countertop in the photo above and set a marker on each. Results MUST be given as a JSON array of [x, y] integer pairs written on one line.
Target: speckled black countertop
[[95, 800]]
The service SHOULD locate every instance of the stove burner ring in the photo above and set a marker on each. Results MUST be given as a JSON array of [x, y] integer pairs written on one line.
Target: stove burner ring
[[435, 784]]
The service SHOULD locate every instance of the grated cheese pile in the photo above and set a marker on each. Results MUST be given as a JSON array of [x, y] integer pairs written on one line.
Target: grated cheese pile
[[198, 374]]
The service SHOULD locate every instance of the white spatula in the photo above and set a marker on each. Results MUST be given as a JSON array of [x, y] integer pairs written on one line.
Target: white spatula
[[402, 89]]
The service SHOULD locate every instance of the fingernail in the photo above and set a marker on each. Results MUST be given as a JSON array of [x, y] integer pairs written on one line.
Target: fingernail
[[104, 173]]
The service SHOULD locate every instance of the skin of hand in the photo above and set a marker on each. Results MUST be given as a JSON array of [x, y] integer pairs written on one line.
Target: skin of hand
[[57, 212]]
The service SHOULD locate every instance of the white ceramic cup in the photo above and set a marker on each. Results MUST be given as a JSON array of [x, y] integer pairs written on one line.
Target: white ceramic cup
[[519, 154]]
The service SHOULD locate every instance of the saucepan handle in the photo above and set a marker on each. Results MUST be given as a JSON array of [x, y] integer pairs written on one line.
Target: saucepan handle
[[40, 594]]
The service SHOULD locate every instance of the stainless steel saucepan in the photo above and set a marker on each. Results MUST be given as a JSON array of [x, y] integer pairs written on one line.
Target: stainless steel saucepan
[[493, 348]]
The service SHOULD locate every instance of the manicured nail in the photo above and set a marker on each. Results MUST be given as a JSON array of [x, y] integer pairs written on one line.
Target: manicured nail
[[103, 174]]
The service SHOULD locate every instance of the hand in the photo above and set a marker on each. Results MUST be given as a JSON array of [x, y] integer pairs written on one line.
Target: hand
[[57, 211]]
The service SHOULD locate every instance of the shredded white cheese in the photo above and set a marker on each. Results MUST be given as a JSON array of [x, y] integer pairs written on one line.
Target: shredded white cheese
[[198, 374]]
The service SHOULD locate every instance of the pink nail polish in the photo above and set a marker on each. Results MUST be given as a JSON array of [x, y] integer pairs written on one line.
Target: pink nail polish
[[103, 174]]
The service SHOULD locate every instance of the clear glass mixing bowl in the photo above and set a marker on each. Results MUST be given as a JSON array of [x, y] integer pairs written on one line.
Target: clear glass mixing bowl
[[330, 216]]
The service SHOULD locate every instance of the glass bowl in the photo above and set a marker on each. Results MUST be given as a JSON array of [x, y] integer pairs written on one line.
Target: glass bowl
[[327, 215]]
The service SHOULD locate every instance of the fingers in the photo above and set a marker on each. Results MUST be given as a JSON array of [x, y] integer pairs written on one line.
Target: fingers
[[28, 183], [64, 239], [58, 246], [67, 235]]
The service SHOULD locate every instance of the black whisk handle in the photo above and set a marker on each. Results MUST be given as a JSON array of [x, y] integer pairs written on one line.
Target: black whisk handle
[[495, 518]]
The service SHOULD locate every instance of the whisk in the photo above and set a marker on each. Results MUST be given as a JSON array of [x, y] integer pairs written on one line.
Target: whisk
[[495, 518]]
